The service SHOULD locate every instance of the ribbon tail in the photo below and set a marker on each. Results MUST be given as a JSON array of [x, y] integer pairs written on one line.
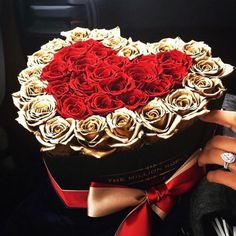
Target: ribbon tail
[[164, 206], [137, 222], [71, 198]]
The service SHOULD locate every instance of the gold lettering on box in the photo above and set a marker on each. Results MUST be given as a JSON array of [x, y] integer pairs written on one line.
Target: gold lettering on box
[[149, 175]]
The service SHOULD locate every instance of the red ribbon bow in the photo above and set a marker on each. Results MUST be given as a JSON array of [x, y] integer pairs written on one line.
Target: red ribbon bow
[[104, 199]]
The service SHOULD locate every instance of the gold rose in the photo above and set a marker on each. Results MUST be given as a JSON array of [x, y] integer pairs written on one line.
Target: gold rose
[[33, 72], [101, 34], [56, 131], [212, 67], [29, 90], [76, 34], [196, 49], [36, 112], [41, 57], [158, 120], [186, 103], [165, 45], [133, 49], [211, 88], [124, 129], [54, 45], [92, 138], [115, 42]]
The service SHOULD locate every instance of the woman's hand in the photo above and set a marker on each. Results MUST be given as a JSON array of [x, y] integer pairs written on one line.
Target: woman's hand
[[219, 145]]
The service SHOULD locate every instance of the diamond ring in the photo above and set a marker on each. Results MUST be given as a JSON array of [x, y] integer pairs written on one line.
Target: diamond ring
[[228, 158]]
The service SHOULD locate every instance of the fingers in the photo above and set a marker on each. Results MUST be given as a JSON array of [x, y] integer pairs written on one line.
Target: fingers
[[224, 118], [222, 177], [218, 145], [228, 144], [213, 156]]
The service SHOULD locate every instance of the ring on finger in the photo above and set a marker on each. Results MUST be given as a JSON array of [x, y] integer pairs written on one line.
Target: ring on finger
[[228, 158]]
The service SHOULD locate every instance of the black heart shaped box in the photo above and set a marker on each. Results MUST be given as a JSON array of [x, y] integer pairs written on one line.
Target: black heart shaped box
[[141, 168]]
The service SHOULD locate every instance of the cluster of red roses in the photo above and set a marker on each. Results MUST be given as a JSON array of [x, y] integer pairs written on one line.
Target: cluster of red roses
[[87, 78]]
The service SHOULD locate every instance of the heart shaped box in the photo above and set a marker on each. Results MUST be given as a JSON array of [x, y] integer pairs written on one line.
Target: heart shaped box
[[145, 165]]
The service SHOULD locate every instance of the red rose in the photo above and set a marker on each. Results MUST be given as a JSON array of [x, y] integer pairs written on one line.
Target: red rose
[[87, 44], [72, 106], [143, 72], [117, 61], [145, 58], [133, 99], [58, 88], [77, 49], [102, 104], [100, 51], [66, 53], [118, 84], [80, 84], [175, 65], [157, 88], [80, 62], [55, 70], [174, 57], [174, 73], [101, 71]]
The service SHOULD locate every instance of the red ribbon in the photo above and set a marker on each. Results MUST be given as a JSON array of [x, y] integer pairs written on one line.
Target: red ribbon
[[71, 198], [138, 222]]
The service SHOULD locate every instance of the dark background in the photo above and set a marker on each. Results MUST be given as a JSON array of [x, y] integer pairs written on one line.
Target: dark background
[[27, 24]]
